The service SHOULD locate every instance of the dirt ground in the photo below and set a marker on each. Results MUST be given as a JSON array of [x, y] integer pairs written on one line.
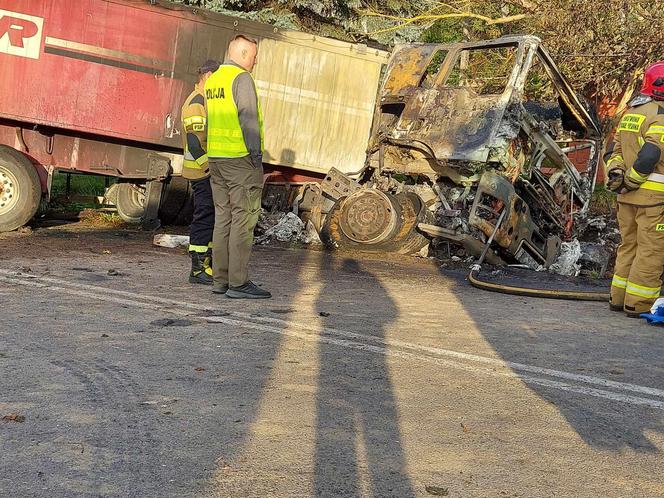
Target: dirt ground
[[363, 376]]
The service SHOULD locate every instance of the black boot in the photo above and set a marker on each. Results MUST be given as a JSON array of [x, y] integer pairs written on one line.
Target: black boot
[[201, 271]]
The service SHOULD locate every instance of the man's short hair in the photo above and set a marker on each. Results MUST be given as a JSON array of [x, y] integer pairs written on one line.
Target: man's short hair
[[209, 66], [244, 37]]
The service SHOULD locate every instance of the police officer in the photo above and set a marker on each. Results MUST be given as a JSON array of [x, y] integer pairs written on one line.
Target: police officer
[[235, 151], [635, 170], [195, 169]]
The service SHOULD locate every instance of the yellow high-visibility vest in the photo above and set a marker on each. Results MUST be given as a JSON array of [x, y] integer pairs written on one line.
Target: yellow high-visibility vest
[[225, 137]]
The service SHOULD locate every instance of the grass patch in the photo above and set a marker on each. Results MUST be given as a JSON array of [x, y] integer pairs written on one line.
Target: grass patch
[[102, 219], [81, 195], [603, 201], [84, 185]]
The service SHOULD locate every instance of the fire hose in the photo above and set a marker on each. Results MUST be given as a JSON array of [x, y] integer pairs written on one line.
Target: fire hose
[[473, 278]]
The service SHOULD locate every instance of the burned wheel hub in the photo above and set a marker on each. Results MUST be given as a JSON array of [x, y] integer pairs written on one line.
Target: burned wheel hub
[[368, 217]]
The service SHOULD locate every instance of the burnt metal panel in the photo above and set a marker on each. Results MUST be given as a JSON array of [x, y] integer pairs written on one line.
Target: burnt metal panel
[[568, 95], [447, 122], [406, 68], [518, 232], [455, 124]]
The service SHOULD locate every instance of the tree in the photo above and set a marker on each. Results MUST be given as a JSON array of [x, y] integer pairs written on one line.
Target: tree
[[602, 46]]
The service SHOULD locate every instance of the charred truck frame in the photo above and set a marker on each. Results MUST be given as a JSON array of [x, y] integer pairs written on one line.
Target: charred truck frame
[[462, 132]]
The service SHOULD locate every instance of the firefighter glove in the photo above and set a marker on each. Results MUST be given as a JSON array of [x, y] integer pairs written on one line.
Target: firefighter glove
[[615, 179]]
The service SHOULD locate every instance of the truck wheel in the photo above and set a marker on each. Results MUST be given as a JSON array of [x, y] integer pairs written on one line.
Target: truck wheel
[[176, 201], [364, 220], [130, 201], [20, 189], [370, 220]]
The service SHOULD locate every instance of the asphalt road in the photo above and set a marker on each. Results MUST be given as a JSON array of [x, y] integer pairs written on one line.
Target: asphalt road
[[362, 377]]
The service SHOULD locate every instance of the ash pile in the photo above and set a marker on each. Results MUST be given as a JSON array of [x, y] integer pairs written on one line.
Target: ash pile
[[284, 227]]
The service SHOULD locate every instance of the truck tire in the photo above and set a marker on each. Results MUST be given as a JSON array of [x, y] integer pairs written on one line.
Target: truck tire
[[20, 189], [413, 211], [130, 201], [403, 238], [365, 221], [176, 201]]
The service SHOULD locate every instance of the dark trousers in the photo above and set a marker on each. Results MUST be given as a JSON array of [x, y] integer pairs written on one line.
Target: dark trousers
[[202, 225]]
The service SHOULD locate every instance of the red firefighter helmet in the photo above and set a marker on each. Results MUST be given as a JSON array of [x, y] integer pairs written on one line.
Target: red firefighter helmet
[[653, 81]]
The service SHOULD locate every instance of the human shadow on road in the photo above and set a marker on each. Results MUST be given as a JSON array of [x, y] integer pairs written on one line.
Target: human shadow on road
[[582, 339], [358, 438]]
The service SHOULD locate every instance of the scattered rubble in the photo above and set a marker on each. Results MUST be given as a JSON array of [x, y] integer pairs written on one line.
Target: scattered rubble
[[285, 227], [424, 252], [170, 241], [592, 253], [271, 227], [599, 237], [595, 257], [171, 322], [567, 261]]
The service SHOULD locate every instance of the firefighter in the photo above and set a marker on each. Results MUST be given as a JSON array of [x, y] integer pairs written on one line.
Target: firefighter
[[235, 148], [195, 169], [635, 170]]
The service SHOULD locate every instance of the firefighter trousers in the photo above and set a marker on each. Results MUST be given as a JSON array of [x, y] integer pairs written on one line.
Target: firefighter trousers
[[237, 186], [202, 224], [637, 280]]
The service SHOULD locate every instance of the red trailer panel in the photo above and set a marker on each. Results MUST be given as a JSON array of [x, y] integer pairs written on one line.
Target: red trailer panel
[[95, 66]]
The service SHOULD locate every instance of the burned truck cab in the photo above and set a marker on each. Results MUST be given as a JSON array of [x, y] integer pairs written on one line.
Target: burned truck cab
[[476, 128]]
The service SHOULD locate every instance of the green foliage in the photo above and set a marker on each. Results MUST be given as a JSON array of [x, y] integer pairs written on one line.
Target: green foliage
[[85, 185], [603, 201], [600, 45], [445, 31]]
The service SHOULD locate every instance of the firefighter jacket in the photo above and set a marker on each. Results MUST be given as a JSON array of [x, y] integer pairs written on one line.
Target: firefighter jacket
[[639, 151], [235, 120], [194, 136]]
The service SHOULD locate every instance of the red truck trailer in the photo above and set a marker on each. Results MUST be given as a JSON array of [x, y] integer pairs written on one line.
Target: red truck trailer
[[96, 86]]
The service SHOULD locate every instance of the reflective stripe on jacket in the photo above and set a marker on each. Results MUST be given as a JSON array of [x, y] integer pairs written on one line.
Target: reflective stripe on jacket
[[641, 125], [194, 126]]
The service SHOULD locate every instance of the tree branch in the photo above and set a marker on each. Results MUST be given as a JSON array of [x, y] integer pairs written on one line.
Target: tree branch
[[405, 21]]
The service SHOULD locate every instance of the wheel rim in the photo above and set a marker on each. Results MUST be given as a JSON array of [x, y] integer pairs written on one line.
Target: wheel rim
[[9, 190], [368, 217], [137, 197]]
